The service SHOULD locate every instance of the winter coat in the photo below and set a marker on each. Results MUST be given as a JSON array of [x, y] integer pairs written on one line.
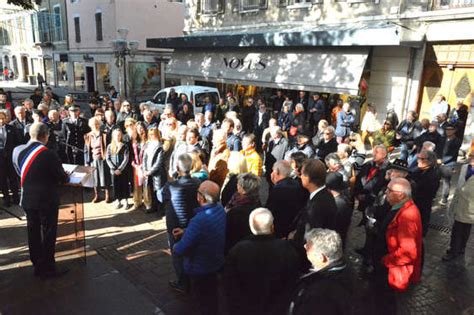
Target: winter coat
[[462, 204]]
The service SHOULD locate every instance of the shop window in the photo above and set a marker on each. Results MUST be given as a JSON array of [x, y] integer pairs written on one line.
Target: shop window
[[61, 73], [212, 6], [252, 5], [282, 3], [103, 76], [79, 78]]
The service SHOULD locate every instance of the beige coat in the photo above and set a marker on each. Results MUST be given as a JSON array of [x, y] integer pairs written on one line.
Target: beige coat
[[462, 204]]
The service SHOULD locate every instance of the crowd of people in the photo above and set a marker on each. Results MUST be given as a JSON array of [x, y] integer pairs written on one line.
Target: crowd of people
[[204, 172]]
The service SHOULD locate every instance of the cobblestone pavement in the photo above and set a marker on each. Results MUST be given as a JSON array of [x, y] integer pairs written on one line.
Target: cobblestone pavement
[[130, 248]]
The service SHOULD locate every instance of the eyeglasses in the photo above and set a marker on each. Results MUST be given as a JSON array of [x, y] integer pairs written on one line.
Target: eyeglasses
[[392, 191]]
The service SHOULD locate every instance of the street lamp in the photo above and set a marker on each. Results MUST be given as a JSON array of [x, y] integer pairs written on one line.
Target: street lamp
[[123, 48]]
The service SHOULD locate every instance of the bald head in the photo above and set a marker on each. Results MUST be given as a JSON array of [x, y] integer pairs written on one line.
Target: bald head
[[208, 193], [261, 222]]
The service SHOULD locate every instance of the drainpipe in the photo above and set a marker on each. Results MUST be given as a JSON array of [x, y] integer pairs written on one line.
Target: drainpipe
[[409, 81]]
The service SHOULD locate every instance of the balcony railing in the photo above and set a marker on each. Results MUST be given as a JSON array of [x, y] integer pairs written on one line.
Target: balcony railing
[[452, 4]]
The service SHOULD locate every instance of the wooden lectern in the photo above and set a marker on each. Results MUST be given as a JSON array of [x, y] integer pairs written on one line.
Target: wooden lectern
[[71, 226]]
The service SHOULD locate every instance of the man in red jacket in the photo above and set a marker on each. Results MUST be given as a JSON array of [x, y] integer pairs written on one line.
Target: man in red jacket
[[404, 237], [401, 252]]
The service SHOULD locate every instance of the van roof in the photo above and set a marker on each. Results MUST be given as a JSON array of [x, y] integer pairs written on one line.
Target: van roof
[[186, 88]]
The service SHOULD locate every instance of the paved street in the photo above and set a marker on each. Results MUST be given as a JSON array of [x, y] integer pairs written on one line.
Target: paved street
[[128, 268]]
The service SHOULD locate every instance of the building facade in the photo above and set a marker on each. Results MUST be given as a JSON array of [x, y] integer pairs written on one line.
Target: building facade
[[18, 49], [93, 25], [374, 49]]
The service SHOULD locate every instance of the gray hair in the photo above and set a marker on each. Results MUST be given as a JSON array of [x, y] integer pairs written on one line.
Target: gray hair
[[430, 157], [184, 163], [283, 168], [345, 148], [331, 129], [326, 242], [333, 158], [19, 108], [250, 183], [300, 106], [29, 100], [38, 130], [381, 147], [428, 145], [261, 221], [404, 184]]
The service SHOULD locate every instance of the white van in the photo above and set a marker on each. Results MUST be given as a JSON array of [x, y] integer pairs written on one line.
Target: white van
[[196, 95]]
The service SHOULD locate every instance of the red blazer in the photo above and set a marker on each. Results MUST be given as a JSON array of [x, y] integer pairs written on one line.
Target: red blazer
[[404, 242]]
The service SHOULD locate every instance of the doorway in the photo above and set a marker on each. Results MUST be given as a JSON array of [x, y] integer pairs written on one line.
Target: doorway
[[24, 65], [90, 79]]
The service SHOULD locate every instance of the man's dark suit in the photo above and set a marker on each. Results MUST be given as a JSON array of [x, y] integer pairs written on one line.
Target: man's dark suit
[[40, 200], [369, 186], [324, 148], [73, 134], [285, 200], [20, 129], [320, 212], [258, 128], [8, 177]]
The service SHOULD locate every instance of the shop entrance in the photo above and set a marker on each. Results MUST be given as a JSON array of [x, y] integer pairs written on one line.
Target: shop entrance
[[90, 79]]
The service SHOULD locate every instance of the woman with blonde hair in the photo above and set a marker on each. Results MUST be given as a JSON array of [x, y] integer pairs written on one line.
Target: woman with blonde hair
[[369, 124], [236, 165], [117, 158], [198, 169], [219, 156], [137, 166], [154, 168], [94, 155]]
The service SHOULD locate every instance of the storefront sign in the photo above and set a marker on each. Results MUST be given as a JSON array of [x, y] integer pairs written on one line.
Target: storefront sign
[[244, 63]]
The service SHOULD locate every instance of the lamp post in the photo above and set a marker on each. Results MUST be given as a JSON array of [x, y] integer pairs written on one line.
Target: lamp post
[[123, 48]]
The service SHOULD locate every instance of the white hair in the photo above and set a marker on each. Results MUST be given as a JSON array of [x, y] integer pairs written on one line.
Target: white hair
[[261, 221], [326, 242]]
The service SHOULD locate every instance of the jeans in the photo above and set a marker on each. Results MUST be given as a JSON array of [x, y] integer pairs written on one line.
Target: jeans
[[403, 151], [446, 174], [181, 277]]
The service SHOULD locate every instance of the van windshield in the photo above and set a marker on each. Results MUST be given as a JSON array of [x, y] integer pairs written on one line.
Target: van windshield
[[201, 98]]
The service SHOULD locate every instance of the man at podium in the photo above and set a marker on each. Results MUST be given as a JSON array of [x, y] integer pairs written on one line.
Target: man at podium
[[40, 173]]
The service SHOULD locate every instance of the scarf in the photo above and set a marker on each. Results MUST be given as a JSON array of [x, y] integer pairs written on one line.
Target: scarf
[[239, 200]]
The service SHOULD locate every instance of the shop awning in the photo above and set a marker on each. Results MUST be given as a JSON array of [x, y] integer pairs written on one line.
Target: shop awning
[[308, 35], [331, 70]]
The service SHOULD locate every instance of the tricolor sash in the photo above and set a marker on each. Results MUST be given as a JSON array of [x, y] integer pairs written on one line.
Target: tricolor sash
[[28, 160]]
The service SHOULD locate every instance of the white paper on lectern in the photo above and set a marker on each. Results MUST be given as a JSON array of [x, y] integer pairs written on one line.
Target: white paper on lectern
[[69, 168]]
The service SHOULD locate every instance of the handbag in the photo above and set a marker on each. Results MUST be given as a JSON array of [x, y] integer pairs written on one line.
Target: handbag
[[399, 277]]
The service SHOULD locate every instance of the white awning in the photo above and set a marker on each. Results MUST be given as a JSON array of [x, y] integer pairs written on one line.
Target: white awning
[[331, 70]]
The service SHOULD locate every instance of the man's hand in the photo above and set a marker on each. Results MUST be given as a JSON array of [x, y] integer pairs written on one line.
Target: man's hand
[[177, 233], [117, 172], [292, 234]]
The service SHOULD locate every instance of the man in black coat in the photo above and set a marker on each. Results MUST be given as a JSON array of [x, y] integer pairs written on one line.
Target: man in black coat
[[431, 135], [73, 129], [179, 198], [8, 177], [321, 209], [371, 178], [328, 145], [316, 109], [427, 179], [260, 123], [286, 199], [329, 287], [275, 151], [40, 174], [260, 271], [20, 123]]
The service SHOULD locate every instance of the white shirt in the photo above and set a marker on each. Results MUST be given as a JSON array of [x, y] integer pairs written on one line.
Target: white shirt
[[316, 191], [260, 117]]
